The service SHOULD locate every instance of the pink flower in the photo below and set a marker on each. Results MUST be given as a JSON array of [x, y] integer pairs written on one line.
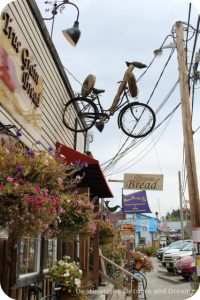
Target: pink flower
[[9, 179], [60, 181], [37, 189], [61, 210], [79, 202], [79, 211], [15, 183], [7, 150], [30, 199], [1, 187]]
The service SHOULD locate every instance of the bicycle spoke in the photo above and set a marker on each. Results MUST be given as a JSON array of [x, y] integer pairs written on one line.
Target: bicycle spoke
[[80, 114], [137, 120]]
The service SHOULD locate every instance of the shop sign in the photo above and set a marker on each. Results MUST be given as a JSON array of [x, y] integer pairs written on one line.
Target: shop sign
[[127, 228], [136, 203], [21, 83], [143, 182]]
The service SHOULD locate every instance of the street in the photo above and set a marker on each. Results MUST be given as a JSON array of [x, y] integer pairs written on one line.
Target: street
[[157, 287]]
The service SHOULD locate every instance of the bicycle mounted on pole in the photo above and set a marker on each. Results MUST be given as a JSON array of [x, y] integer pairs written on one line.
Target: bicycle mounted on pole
[[135, 119]]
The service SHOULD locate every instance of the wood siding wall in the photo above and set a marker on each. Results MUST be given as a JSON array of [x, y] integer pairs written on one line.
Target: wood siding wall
[[55, 90]]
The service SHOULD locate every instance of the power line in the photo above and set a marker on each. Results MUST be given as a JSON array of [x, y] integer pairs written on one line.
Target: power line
[[189, 14], [109, 162], [119, 155], [150, 145]]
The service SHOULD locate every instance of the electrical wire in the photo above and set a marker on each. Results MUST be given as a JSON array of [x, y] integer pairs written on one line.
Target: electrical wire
[[109, 162], [150, 64], [189, 14], [72, 76], [161, 74], [138, 142], [119, 155], [147, 148], [194, 45]]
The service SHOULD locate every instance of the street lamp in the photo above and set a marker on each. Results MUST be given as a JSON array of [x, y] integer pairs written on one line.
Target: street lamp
[[159, 51], [72, 34]]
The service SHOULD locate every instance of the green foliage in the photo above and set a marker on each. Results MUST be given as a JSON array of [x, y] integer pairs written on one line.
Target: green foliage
[[106, 232], [148, 250]]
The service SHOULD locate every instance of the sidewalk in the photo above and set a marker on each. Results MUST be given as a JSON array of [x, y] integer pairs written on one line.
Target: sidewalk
[[159, 285]]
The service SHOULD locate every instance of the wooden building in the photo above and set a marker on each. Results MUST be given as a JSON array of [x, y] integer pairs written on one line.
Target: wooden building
[[33, 91]]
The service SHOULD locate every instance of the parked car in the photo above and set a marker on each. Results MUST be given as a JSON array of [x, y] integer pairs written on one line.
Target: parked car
[[172, 246], [185, 267], [169, 259]]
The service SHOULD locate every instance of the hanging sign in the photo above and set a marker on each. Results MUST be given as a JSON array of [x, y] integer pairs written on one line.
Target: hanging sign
[[136, 203], [21, 83], [143, 182]]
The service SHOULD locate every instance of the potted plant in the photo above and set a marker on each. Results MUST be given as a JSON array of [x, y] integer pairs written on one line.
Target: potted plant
[[67, 276]]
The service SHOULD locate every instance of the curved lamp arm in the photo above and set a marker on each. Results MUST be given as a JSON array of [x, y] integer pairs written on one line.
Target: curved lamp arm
[[54, 11]]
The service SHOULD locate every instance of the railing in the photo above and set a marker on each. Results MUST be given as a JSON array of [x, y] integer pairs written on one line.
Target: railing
[[134, 281]]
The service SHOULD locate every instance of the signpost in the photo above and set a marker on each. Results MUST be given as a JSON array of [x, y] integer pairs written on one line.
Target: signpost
[[143, 182]]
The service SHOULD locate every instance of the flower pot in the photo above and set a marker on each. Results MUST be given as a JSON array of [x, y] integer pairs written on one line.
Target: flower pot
[[138, 265], [66, 295]]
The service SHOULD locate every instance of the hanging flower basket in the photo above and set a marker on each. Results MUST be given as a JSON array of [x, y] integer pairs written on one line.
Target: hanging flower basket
[[77, 217], [106, 232], [32, 185], [141, 261], [138, 265]]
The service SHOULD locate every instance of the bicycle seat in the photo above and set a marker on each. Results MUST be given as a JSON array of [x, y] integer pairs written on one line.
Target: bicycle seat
[[88, 85], [136, 64], [97, 91]]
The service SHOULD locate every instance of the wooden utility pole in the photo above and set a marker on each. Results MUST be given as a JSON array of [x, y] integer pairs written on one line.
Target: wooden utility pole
[[187, 128], [181, 204]]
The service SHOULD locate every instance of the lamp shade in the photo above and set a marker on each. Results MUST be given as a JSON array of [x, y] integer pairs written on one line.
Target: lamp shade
[[99, 125], [72, 34]]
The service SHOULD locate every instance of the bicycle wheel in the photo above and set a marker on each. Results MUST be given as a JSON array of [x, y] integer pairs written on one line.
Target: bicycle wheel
[[142, 279], [137, 119], [80, 114]]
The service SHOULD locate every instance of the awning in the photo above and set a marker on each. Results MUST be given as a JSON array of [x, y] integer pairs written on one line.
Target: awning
[[93, 175]]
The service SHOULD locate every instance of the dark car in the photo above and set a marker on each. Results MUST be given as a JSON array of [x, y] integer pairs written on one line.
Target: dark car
[[185, 267]]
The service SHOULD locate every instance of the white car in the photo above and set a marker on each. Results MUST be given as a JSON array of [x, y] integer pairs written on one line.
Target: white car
[[171, 257], [175, 246]]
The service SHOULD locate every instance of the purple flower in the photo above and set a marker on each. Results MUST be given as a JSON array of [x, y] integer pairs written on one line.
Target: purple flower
[[50, 149], [77, 163], [30, 153], [38, 143], [79, 211], [19, 170], [18, 133]]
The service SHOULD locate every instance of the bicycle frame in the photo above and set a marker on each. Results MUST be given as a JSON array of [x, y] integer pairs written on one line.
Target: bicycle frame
[[90, 110], [118, 105]]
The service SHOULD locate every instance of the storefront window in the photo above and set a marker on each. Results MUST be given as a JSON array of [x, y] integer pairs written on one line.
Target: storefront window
[[50, 247], [142, 241], [29, 255]]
